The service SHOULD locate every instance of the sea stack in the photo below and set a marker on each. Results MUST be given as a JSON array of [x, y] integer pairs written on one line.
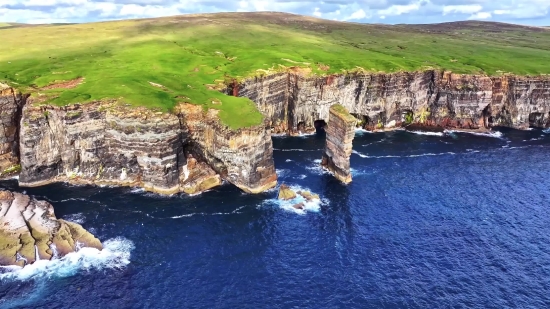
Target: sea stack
[[29, 231], [340, 132]]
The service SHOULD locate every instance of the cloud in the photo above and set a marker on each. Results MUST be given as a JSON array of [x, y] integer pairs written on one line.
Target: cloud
[[535, 12], [480, 15], [462, 9]]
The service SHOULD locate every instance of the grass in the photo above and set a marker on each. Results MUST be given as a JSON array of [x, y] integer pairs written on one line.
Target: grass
[[193, 56]]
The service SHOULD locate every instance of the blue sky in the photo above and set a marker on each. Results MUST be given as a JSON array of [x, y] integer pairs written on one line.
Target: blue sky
[[528, 12]]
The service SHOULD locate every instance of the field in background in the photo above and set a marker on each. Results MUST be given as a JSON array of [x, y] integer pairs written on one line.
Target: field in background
[[159, 62]]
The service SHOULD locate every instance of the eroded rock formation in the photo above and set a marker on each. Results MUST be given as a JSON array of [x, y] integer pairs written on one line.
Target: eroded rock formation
[[243, 157], [30, 231], [111, 144], [340, 133], [11, 103], [387, 100]]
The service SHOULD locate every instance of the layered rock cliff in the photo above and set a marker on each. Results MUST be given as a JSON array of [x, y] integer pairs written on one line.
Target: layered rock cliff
[[244, 157], [339, 142], [385, 100], [107, 143], [11, 103], [29, 231]]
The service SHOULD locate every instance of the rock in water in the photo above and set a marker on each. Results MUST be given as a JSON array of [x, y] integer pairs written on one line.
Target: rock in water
[[309, 196], [285, 193], [340, 133], [28, 229]]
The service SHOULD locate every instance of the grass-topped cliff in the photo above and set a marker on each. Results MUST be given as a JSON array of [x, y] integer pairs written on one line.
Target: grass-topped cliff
[[159, 62]]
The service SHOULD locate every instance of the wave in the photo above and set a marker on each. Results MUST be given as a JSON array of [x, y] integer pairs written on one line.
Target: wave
[[236, 211], [359, 131], [494, 134], [407, 156], [278, 149], [427, 133], [115, 255], [546, 131], [76, 218], [309, 206]]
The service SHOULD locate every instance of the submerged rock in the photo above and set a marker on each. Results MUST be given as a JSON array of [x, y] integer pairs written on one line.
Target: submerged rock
[[29, 231], [285, 193], [309, 196], [340, 134]]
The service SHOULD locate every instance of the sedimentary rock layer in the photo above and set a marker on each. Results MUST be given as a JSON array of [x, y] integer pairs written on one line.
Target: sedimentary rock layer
[[340, 133], [30, 231], [111, 144], [11, 103], [244, 157], [386, 100]]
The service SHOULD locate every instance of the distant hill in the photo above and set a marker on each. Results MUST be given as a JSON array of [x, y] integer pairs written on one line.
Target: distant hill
[[159, 62]]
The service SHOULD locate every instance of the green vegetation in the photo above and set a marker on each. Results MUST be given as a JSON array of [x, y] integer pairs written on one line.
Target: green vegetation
[[159, 63], [12, 169]]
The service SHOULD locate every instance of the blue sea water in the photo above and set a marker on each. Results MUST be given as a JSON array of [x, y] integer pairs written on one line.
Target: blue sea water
[[451, 221]]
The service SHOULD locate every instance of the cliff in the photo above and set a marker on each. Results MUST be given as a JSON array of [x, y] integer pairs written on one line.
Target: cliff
[[190, 150], [340, 133], [11, 103], [106, 143], [244, 157], [386, 100], [29, 231]]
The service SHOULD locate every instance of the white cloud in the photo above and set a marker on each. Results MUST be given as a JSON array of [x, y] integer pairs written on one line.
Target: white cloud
[[388, 11], [357, 15], [317, 13], [462, 9], [480, 15], [396, 10]]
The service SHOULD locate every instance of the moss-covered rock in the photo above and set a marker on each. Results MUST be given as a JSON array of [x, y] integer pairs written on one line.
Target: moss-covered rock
[[29, 227], [285, 193]]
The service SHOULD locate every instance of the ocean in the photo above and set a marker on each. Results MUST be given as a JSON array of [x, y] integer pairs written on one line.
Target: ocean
[[431, 220]]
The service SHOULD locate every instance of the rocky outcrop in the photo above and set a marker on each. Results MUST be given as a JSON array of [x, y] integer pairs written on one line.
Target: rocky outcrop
[[340, 133], [386, 100], [29, 231], [11, 103], [243, 157]]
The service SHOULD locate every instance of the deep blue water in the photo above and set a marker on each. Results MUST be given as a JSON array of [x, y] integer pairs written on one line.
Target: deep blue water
[[458, 221]]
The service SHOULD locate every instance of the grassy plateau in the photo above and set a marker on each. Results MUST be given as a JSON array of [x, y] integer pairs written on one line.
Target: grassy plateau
[[157, 63]]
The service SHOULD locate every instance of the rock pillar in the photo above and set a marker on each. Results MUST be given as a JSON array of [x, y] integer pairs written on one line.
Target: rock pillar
[[340, 132]]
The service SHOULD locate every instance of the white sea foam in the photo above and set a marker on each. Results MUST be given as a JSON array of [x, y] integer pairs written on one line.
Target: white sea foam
[[360, 131], [76, 218], [282, 172], [309, 206], [301, 150], [407, 156], [427, 133], [494, 134], [359, 154], [303, 176], [137, 190], [115, 255], [288, 160], [547, 131]]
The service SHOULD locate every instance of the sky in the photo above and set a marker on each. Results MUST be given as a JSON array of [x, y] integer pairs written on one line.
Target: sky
[[527, 12]]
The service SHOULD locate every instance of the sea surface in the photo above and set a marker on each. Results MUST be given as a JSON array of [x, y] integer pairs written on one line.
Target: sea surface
[[448, 220]]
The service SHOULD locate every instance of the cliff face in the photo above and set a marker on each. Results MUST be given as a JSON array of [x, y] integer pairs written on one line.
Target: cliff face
[[29, 231], [11, 103], [340, 133], [109, 144], [243, 157], [291, 101]]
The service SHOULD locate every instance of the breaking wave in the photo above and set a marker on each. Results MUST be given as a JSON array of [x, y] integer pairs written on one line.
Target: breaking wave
[[115, 255], [407, 156], [494, 134], [427, 133], [309, 206], [76, 218]]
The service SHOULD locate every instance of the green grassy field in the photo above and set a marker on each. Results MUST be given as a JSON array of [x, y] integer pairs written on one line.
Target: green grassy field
[[159, 62]]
